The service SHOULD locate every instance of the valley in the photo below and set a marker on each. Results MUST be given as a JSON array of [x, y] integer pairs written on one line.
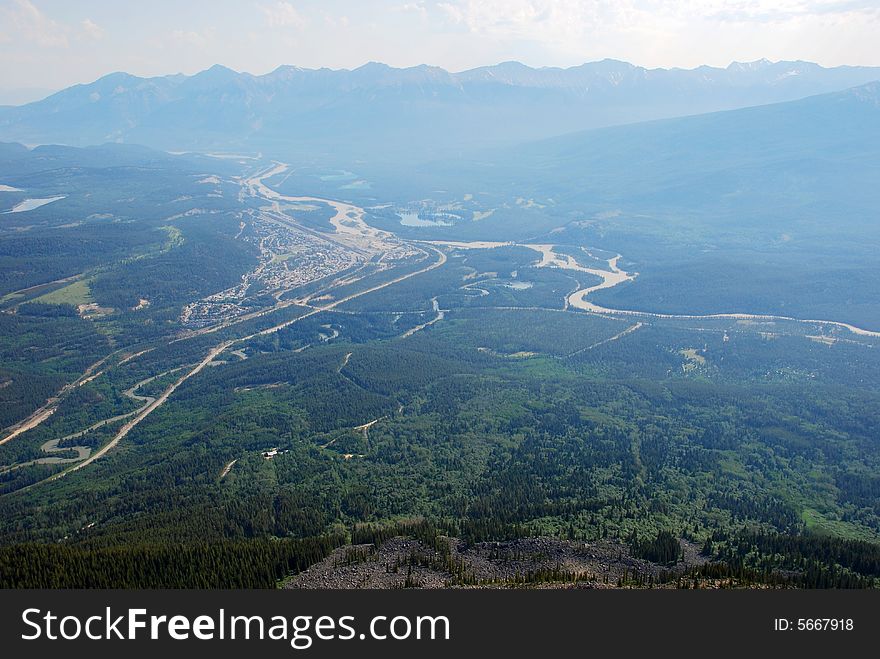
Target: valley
[[352, 234], [613, 276], [350, 258], [568, 377]]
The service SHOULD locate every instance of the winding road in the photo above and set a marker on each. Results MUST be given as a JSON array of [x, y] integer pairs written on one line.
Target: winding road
[[354, 233], [351, 230], [48, 409]]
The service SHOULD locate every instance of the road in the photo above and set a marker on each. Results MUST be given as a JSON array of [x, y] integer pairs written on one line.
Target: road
[[227, 469], [146, 411], [441, 314], [48, 409], [348, 220]]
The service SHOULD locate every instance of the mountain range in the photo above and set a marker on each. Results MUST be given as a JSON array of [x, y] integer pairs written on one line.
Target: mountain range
[[418, 113], [825, 146], [762, 208]]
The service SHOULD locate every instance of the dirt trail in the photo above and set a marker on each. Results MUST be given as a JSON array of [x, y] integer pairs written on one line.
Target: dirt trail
[[441, 314], [83, 452], [620, 335], [135, 356], [365, 428], [48, 409], [227, 469], [32, 421], [145, 411]]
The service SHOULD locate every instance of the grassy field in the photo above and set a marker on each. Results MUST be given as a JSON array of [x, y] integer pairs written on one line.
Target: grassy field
[[74, 294]]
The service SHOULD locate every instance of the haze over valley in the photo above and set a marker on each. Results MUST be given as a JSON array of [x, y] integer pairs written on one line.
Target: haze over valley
[[603, 325]]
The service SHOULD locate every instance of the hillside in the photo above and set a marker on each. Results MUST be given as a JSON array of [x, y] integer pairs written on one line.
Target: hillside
[[771, 209]]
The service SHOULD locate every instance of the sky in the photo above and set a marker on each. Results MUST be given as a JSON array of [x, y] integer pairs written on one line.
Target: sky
[[51, 44]]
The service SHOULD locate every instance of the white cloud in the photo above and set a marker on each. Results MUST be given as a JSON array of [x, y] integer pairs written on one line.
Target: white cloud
[[33, 25], [780, 11], [416, 7], [452, 11], [37, 47], [547, 20], [91, 29], [335, 22], [536, 18], [283, 14], [191, 37], [649, 27]]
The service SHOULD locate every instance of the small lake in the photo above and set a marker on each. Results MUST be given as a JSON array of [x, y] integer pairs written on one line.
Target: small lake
[[340, 176], [411, 219], [360, 184], [519, 285]]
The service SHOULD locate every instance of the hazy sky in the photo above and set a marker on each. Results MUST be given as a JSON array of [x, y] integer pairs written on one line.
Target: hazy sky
[[54, 43]]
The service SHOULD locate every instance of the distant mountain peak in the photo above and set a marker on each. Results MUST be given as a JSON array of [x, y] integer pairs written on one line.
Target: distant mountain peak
[[756, 65], [218, 71], [118, 76], [869, 93], [610, 61], [373, 66], [512, 64]]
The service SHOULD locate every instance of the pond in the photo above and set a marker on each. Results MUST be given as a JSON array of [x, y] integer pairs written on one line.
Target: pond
[[412, 219]]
